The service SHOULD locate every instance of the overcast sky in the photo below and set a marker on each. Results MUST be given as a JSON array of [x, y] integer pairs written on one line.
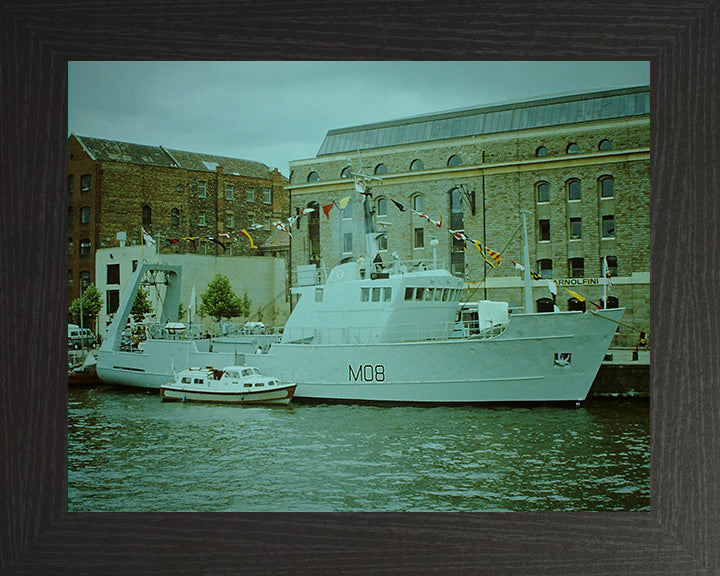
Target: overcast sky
[[276, 112]]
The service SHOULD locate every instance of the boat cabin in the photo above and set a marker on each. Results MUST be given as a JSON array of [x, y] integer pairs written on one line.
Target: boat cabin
[[394, 306]]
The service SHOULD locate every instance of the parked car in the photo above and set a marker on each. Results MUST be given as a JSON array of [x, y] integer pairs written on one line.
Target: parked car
[[81, 337]]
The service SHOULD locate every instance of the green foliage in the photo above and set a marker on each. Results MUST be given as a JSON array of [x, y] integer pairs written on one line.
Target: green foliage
[[246, 304], [92, 302], [141, 306], [272, 314], [219, 301]]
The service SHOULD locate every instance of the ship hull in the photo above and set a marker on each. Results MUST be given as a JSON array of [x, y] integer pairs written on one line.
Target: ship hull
[[557, 363], [551, 357]]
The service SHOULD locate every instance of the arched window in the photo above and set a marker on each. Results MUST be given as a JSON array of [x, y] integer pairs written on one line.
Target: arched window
[[544, 305], [573, 189], [381, 169], [417, 164], [174, 217], [605, 145], [543, 191], [541, 151], [573, 148], [575, 304], [607, 184], [382, 207], [146, 215], [454, 161], [313, 177], [345, 172], [418, 202]]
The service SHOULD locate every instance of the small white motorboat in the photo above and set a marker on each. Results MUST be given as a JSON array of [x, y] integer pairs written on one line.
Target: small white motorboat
[[233, 384]]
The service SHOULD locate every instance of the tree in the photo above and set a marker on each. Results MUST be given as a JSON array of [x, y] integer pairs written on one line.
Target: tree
[[141, 306], [246, 304], [219, 300], [92, 302]]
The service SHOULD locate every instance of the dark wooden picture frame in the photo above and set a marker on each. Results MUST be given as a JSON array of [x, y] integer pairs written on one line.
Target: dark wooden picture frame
[[681, 533]]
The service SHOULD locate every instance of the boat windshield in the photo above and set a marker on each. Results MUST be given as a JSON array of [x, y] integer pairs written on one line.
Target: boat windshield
[[247, 372]]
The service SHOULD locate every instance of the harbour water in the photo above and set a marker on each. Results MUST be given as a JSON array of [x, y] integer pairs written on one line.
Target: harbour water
[[128, 451]]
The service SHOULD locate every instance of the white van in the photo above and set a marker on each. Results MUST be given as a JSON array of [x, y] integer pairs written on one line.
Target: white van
[[80, 337]]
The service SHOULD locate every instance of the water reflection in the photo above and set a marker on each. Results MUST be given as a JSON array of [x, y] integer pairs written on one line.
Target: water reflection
[[129, 451]]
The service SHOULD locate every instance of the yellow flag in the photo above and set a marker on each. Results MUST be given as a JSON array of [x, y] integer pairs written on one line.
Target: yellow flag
[[575, 295], [343, 203]]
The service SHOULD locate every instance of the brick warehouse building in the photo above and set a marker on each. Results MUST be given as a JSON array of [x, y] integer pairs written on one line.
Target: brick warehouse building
[[577, 165], [119, 187]]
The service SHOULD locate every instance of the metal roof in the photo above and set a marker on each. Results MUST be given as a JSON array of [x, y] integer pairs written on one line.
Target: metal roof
[[115, 151], [491, 119]]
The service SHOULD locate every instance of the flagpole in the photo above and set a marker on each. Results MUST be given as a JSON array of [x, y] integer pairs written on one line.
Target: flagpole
[[605, 273], [526, 272]]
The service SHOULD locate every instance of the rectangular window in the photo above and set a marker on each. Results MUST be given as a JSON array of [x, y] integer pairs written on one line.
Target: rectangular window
[[134, 265], [608, 226], [251, 220], [251, 194], [113, 274], [85, 181], [70, 246], [611, 264], [267, 222], [364, 294], [347, 212], [419, 293], [229, 191], [347, 243], [112, 298], [545, 268], [387, 294], [85, 247], [576, 267], [543, 230], [201, 219], [71, 184], [267, 195], [408, 293], [202, 189], [575, 228], [318, 294], [85, 215], [376, 294], [229, 221], [419, 238]]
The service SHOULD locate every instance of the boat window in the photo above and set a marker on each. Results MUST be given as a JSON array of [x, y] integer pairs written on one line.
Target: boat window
[[438, 294], [256, 371], [429, 294], [259, 384], [186, 380], [364, 294], [445, 294], [408, 293], [247, 385], [387, 294], [198, 381], [376, 294], [318, 294], [419, 294], [247, 372]]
